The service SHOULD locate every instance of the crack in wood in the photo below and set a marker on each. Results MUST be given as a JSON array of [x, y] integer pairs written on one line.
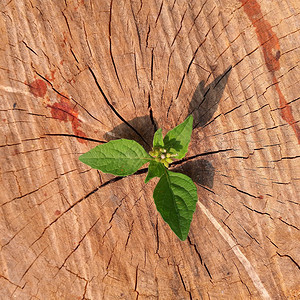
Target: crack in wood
[[188, 158], [288, 224], [159, 12], [180, 27], [259, 212], [81, 278], [288, 256], [68, 26], [112, 107], [196, 249], [253, 238], [129, 234], [286, 157], [151, 113], [53, 88], [183, 283], [241, 191], [11, 239], [73, 54], [75, 136], [157, 238], [136, 282], [86, 39], [110, 45], [152, 67], [29, 48], [77, 246], [16, 285], [33, 262], [218, 203], [137, 30], [272, 242], [27, 194]]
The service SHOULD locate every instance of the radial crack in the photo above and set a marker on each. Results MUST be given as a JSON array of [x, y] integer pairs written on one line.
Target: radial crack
[[182, 281], [113, 109], [79, 243], [151, 113], [110, 45], [29, 48]]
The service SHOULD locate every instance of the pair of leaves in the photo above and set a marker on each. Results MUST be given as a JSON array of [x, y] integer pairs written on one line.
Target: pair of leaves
[[175, 195]]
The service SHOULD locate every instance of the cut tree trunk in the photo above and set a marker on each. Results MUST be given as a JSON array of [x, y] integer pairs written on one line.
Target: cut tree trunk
[[74, 74]]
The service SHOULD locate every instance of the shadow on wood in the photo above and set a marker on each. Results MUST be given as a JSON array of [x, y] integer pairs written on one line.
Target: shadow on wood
[[143, 134], [205, 100], [201, 171]]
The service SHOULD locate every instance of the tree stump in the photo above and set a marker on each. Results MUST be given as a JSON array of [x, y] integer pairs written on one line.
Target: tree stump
[[78, 73]]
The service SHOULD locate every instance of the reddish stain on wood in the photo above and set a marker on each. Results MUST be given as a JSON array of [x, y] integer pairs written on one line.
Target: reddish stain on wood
[[271, 50], [266, 36], [286, 111], [51, 77], [38, 88], [80, 3], [64, 43], [57, 212], [63, 110], [260, 197], [16, 152]]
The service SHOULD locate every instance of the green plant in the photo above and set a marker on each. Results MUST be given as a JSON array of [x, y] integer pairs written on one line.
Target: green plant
[[175, 195]]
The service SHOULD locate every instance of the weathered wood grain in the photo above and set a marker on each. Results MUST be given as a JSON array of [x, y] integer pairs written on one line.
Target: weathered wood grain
[[74, 74]]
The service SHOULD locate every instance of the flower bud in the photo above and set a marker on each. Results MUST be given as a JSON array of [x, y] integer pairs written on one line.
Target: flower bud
[[166, 164]]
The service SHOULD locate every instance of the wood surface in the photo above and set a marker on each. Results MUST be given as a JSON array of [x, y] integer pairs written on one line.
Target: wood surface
[[74, 74]]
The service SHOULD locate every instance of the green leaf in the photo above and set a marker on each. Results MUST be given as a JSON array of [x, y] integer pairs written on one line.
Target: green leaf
[[175, 197], [155, 169], [158, 139], [177, 140], [119, 157]]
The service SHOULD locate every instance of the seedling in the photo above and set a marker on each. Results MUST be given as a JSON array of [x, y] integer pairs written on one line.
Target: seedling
[[175, 194]]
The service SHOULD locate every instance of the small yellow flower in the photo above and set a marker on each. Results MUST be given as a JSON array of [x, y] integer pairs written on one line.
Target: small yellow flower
[[161, 155]]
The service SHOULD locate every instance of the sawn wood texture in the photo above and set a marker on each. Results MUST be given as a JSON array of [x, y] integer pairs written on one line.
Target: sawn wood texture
[[74, 74]]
